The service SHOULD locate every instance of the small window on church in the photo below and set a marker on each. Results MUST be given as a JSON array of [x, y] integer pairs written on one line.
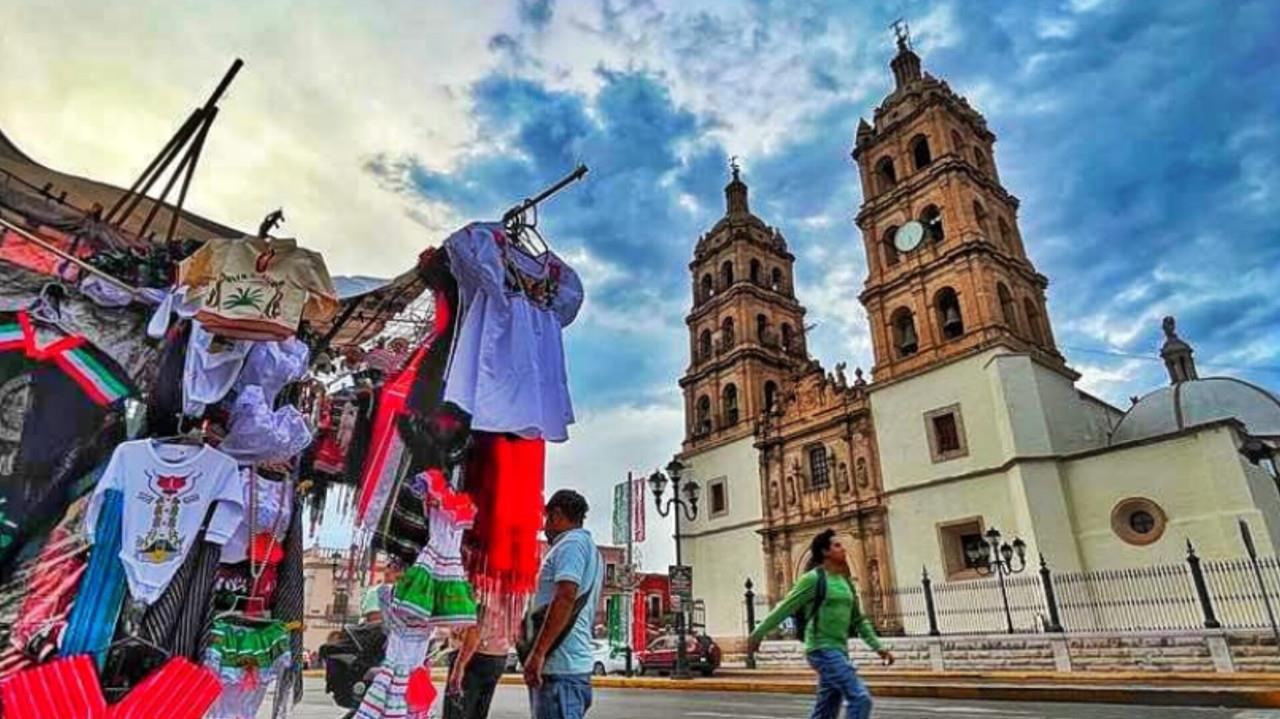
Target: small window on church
[[755, 271], [819, 471], [1006, 235], [979, 159], [980, 217], [726, 332], [920, 151], [776, 280], [704, 345], [890, 249], [770, 394], [703, 423], [1008, 308], [905, 339], [707, 290], [719, 497], [964, 549], [950, 319], [762, 329], [931, 218], [946, 433], [957, 144], [1033, 320], [729, 400], [786, 337], [726, 274], [885, 174], [1138, 521]]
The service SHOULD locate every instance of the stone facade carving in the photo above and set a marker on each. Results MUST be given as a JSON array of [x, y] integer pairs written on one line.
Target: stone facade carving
[[820, 430]]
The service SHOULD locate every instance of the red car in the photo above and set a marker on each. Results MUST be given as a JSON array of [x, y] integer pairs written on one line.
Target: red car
[[660, 657]]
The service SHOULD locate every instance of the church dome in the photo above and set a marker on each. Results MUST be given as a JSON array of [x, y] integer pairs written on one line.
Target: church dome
[[1198, 401], [1189, 400]]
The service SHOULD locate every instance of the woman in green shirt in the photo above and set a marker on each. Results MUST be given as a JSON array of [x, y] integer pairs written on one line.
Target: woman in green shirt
[[827, 627]]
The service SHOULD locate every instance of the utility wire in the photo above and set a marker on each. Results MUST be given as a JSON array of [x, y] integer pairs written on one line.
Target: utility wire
[[1153, 358]]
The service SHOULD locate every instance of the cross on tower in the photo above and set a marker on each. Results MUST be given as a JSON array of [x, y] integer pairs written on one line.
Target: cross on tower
[[903, 32]]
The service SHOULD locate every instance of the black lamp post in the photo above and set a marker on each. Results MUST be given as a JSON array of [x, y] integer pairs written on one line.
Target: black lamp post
[[334, 560], [998, 558], [688, 506]]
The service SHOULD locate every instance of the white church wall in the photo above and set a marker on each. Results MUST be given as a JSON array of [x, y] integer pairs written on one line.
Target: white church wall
[[1197, 481], [1266, 497], [725, 550], [899, 409], [915, 517]]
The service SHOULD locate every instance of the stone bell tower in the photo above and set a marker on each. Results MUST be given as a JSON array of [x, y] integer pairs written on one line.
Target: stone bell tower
[[947, 270], [746, 329]]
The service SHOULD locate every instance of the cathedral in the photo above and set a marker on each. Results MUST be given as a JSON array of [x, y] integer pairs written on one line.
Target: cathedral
[[970, 419]]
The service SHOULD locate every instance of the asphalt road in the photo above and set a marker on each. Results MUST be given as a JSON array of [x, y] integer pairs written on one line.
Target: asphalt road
[[511, 703]]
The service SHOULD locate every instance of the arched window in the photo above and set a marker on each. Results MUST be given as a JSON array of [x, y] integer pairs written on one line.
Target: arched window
[[890, 250], [1033, 320], [920, 151], [979, 159], [762, 328], [726, 274], [704, 345], [706, 289], [905, 340], [726, 332], [860, 473], [786, 337], [947, 305], [886, 176], [770, 394], [931, 218], [703, 423], [755, 271], [775, 279], [729, 400], [1008, 308], [980, 217], [957, 144], [1006, 235]]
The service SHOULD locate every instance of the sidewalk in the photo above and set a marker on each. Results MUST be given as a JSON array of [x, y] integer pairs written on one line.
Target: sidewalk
[[1238, 690]]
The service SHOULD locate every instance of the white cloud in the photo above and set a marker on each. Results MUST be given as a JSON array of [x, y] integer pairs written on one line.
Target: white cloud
[[603, 447]]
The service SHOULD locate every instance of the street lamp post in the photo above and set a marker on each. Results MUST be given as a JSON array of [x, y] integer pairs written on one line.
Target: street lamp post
[[998, 558], [334, 559], [688, 506]]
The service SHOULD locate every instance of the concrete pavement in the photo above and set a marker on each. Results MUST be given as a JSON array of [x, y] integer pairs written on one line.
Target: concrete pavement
[[656, 704]]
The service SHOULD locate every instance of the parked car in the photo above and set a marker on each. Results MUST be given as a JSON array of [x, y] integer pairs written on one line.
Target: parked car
[[660, 658], [608, 660]]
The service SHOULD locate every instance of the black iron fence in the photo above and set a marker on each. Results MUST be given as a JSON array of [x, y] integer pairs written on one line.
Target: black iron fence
[[1231, 594]]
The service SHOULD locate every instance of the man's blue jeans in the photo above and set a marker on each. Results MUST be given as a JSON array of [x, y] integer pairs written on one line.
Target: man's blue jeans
[[561, 696], [838, 683]]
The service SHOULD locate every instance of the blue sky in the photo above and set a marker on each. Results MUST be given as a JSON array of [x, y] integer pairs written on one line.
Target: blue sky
[[1143, 139]]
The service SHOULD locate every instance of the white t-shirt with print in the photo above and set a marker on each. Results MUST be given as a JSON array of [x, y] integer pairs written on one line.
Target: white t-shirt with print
[[167, 491]]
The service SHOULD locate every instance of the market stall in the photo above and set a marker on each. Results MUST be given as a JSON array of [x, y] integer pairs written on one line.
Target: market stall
[[174, 410]]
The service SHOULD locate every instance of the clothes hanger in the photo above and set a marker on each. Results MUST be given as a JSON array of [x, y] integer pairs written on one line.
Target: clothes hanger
[[190, 437]]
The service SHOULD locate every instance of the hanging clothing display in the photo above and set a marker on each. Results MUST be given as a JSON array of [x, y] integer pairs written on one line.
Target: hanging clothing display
[[93, 617], [272, 503], [157, 695], [212, 365], [60, 413], [168, 489], [408, 640], [436, 586], [505, 479], [258, 289], [507, 370], [246, 660], [386, 447], [258, 433], [65, 688]]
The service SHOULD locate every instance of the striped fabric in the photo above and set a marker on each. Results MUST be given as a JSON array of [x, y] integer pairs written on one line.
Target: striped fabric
[[64, 688], [179, 620], [97, 607], [288, 606], [178, 690], [72, 355]]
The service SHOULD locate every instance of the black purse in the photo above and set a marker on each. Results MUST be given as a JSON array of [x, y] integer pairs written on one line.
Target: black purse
[[531, 625]]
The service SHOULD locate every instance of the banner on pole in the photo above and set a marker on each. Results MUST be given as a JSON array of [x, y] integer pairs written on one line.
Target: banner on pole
[[637, 510], [621, 513]]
